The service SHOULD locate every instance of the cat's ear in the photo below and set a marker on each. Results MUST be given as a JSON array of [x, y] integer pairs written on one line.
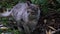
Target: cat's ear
[[28, 3]]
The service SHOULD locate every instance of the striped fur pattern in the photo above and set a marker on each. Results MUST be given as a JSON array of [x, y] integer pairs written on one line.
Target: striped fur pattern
[[29, 14]]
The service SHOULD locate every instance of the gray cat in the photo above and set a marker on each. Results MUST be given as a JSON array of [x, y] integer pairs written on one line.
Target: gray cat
[[28, 13]]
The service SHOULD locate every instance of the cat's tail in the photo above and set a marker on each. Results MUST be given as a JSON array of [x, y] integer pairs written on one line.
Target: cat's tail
[[5, 14]]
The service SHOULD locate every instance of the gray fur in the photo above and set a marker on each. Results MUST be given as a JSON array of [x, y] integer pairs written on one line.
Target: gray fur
[[19, 12]]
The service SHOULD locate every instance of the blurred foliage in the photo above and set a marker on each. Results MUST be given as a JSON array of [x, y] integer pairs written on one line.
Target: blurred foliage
[[58, 1], [8, 3], [9, 31], [42, 2]]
